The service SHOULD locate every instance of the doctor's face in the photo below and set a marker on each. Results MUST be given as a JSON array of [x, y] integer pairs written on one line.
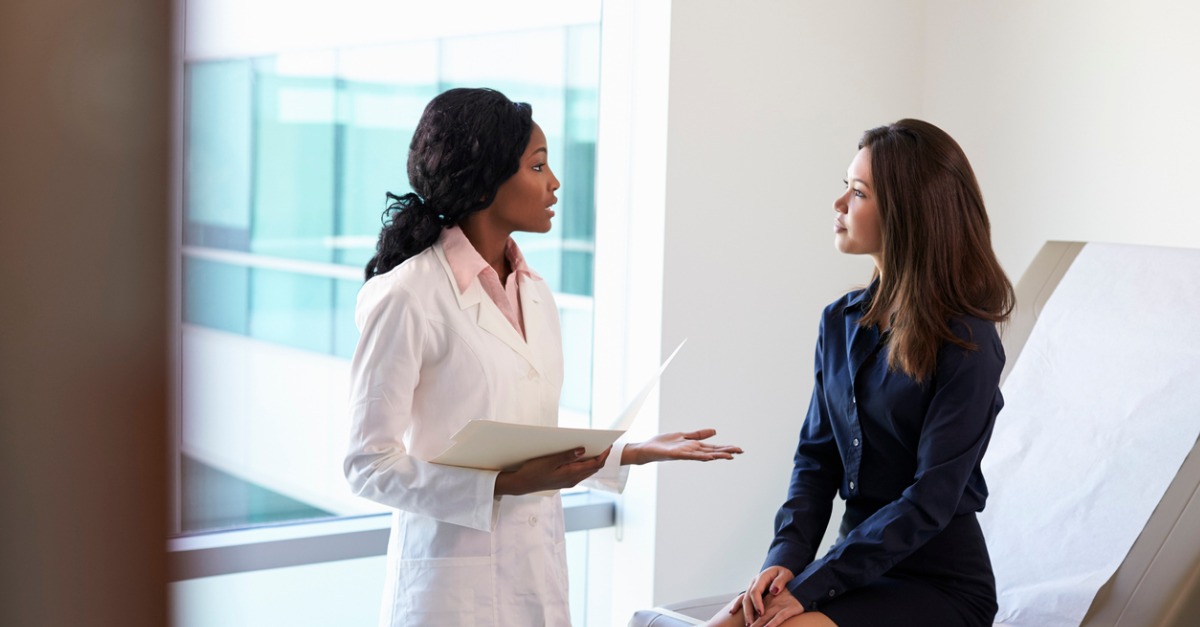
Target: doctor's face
[[523, 201], [856, 223]]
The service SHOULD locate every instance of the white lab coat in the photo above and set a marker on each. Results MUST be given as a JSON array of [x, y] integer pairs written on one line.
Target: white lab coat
[[429, 360]]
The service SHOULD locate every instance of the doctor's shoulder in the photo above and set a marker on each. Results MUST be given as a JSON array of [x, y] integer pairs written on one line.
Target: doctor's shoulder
[[411, 286]]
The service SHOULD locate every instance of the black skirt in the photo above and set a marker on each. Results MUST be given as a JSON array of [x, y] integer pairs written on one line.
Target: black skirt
[[948, 582]]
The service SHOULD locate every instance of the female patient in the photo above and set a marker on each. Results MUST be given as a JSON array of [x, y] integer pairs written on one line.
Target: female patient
[[905, 396], [456, 327]]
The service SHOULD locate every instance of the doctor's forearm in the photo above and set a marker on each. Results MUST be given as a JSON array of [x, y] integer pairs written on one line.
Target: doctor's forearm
[[631, 454]]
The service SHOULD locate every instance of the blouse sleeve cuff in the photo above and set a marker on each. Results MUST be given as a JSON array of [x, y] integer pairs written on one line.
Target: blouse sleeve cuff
[[815, 589]]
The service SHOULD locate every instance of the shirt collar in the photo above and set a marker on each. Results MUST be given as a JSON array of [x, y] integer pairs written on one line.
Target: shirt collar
[[862, 299], [466, 263]]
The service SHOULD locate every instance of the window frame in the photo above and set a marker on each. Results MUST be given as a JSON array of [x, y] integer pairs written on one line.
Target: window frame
[[299, 543]]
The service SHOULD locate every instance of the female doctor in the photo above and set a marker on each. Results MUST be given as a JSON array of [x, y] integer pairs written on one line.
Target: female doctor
[[456, 327]]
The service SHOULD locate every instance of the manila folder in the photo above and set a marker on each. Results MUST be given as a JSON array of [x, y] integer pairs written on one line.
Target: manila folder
[[492, 445]]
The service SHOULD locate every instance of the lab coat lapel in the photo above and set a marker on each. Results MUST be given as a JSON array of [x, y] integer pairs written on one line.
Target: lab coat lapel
[[537, 328], [488, 315]]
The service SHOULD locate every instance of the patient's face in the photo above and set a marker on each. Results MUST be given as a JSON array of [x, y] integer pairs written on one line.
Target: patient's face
[[856, 221]]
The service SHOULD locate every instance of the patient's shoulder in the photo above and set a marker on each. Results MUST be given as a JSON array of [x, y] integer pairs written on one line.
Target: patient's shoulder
[[974, 330], [853, 299], [982, 335]]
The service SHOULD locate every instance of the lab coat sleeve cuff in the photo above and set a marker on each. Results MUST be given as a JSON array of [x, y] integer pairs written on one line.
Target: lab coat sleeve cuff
[[475, 508], [612, 477], [489, 504]]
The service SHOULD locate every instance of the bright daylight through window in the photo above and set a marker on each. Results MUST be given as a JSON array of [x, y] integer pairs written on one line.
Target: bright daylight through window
[[286, 155]]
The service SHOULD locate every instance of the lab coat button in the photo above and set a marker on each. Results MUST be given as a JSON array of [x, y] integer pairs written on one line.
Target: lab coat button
[[533, 375], [533, 521]]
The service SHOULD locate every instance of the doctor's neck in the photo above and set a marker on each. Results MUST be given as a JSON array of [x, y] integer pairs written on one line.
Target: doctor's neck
[[489, 240]]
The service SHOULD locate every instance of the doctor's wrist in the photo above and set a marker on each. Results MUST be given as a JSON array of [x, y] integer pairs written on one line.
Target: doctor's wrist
[[503, 485], [631, 454]]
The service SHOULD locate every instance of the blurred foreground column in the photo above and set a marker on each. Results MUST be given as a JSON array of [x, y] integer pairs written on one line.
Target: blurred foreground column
[[84, 127]]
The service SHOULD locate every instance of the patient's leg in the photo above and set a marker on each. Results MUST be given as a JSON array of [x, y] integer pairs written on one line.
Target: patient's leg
[[808, 619]]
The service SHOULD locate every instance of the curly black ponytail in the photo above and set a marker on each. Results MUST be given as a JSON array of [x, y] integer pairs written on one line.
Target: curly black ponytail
[[468, 142]]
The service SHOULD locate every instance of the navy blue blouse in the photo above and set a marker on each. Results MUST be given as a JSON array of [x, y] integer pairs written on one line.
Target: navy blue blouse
[[904, 456]]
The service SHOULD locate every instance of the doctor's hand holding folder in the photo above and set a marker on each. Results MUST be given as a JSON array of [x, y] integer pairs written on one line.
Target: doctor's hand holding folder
[[571, 455]]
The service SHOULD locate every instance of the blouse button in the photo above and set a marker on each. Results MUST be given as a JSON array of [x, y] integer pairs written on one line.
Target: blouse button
[[832, 592], [851, 485], [533, 521], [855, 442], [533, 375]]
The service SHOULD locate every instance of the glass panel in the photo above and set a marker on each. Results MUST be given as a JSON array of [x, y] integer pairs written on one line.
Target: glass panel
[[216, 295], [578, 194], [219, 500], [345, 334], [217, 179], [292, 309], [577, 380], [381, 94], [294, 156]]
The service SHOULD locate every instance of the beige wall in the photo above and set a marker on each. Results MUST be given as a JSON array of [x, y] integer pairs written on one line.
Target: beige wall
[[83, 312], [767, 102], [1080, 117]]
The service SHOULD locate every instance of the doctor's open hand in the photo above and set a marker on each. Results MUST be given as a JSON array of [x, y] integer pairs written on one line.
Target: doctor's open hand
[[669, 446], [552, 472]]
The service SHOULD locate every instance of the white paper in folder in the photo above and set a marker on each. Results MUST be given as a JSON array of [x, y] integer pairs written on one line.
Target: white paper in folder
[[1101, 410], [493, 445]]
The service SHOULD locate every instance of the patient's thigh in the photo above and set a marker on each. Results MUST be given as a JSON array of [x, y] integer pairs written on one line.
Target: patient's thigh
[[809, 619], [724, 619]]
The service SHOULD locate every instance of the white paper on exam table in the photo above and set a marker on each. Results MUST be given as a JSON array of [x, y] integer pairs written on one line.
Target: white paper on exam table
[[1099, 416], [493, 445]]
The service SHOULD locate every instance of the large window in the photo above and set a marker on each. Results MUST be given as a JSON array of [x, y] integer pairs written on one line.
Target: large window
[[287, 160]]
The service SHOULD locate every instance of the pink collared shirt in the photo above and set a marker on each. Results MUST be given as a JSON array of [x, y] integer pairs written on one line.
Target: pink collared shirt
[[467, 264]]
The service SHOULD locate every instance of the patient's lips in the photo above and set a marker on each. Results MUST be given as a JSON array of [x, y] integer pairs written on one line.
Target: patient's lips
[[838, 227]]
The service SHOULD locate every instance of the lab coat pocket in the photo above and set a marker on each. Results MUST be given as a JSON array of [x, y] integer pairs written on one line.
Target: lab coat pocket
[[554, 574], [449, 591]]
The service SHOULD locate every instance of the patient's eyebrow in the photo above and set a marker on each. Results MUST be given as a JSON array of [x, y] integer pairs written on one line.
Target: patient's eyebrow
[[864, 183]]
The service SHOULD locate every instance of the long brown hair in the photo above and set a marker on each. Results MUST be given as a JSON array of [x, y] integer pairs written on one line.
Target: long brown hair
[[937, 257]]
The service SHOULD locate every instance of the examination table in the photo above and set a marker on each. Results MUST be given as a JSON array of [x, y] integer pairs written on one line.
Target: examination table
[[1158, 581]]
